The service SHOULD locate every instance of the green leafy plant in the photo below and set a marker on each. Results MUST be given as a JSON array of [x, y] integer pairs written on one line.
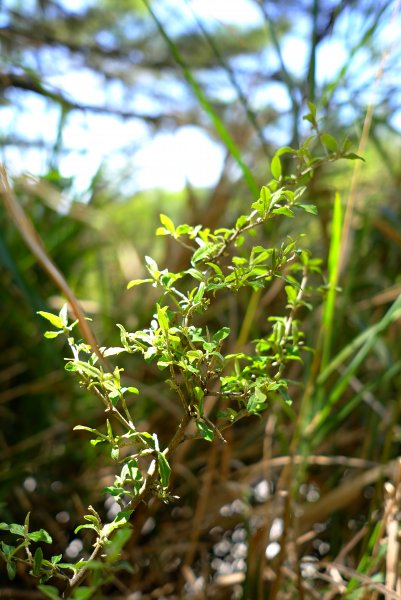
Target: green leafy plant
[[214, 383]]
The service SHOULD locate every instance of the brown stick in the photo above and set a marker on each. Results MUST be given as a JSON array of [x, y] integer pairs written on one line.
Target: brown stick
[[34, 243]]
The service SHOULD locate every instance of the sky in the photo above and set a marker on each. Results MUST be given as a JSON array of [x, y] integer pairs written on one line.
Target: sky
[[167, 160]]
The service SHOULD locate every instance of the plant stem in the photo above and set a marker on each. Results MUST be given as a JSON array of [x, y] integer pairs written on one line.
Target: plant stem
[[142, 496]]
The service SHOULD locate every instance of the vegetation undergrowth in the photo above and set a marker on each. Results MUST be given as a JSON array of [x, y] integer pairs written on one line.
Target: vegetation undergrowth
[[214, 379]]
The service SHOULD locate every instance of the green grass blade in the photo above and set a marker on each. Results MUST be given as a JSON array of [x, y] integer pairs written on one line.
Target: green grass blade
[[204, 102], [366, 339], [367, 562], [337, 418], [333, 274], [232, 77], [359, 349]]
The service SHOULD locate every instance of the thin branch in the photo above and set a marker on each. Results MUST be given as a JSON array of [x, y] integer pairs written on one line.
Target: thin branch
[[32, 84], [142, 496], [233, 79]]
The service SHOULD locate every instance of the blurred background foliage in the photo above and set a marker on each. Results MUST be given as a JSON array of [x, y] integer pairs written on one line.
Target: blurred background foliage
[[85, 87]]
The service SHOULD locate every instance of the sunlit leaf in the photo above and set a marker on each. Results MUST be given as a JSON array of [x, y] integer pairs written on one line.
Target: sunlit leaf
[[137, 282], [283, 210], [164, 469], [86, 526], [275, 167], [167, 222], [53, 319]]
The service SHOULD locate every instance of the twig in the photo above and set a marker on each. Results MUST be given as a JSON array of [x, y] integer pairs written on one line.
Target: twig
[[142, 496], [30, 84]]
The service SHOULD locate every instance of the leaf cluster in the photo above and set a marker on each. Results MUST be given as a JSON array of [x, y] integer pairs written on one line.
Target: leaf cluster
[[200, 361]]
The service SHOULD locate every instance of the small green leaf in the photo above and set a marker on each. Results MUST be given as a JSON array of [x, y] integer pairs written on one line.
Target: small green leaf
[[239, 260], [70, 566], [209, 346], [112, 351], [50, 335], [309, 208], [17, 529], [291, 293], [63, 314], [71, 367], [56, 559], [92, 519], [275, 167], [215, 268], [283, 210], [198, 393], [113, 491], [84, 428], [256, 402], [199, 294], [312, 109], [329, 141], [353, 156], [54, 319], [167, 222], [87, 526], [184, 229], [202, 253], [152, 267], [37, 561], [162, 317], [194, 355], [241, 221], [164, 469], [79, 365], [221, 334], [199, 396], [162, 231], [309, 118], [115, 453], [205, 431], [117, 543], [98, 441], [132, 390], [286, 150], [137, 282], [259, 207], [11, 570], [40, 536], [6, 549], [265, 195]]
